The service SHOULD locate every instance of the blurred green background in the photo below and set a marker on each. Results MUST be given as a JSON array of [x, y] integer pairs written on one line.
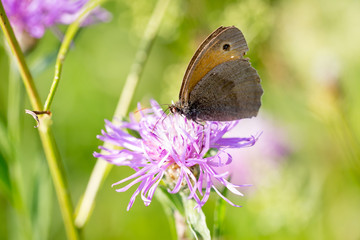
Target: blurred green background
[[307, 54]]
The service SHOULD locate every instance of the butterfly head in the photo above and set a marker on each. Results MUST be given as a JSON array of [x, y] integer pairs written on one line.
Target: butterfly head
[[176, 108], [184, 110]]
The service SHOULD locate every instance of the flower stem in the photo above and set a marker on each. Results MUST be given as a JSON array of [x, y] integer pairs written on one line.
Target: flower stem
[[20, 59], [102, 168], [64, 48], [48, 142], [58, 176]]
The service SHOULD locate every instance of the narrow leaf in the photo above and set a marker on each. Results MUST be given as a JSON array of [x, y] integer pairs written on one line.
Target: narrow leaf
[[195, 219]]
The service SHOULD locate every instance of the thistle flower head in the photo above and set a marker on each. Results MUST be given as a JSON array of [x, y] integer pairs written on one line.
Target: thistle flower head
[[182, 153], [35, 16]]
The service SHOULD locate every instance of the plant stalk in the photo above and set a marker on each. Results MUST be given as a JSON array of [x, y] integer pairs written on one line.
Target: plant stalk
[[102, 168]]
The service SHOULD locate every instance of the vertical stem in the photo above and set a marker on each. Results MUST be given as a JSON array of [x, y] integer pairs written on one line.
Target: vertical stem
[[58, 176], [46, 136], [102, 168], [20, 59]]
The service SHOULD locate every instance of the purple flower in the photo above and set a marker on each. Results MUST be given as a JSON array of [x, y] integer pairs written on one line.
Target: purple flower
[[258, 164], [173, 149], [33, 17]]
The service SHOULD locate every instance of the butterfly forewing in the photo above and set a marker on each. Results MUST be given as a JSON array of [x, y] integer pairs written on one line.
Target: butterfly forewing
[[224, 44]]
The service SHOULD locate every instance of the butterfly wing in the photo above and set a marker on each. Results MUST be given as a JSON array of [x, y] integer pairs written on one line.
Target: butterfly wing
[[224, 44], [228, 92]]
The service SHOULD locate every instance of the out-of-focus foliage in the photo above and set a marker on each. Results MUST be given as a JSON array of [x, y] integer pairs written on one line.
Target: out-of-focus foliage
[[308, 56]]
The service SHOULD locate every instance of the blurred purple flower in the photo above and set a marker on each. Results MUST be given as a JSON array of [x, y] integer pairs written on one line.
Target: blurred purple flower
[[173, 149], [262, 160], [33, 17]]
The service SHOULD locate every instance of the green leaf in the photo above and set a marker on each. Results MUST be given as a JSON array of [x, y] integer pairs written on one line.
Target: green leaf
[[172, 200], [170, 203], [195, 219]]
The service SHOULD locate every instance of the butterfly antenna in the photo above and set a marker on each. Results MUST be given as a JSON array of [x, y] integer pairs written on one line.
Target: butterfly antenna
[[141, 109], [165, 104], [162, 116], [167, 109]]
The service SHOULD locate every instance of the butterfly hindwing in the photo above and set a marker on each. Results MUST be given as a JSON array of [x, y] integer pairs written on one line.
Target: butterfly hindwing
[[236, 87]]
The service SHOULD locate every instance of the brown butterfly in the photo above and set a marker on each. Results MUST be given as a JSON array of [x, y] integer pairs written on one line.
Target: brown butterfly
[[219, 83]]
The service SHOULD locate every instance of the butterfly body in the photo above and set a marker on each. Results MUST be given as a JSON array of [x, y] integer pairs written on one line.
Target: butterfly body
[[219, 84]]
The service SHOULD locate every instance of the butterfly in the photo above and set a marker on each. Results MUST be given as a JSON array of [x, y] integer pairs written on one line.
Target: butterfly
[[220, 84]]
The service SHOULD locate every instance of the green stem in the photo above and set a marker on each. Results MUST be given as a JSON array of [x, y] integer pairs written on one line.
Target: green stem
[[20, 59], [102, 168], [64, 48], [58, 176], [48, 142]]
